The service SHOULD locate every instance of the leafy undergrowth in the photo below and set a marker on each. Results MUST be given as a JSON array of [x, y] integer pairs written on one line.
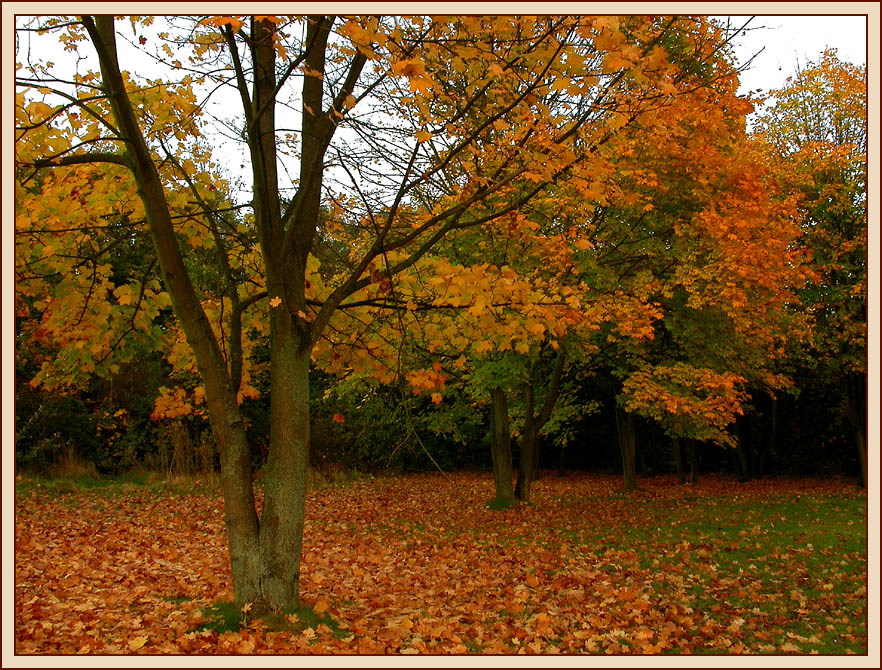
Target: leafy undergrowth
[[419, 564]]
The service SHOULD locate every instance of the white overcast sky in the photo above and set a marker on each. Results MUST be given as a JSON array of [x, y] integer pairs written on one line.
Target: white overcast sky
[[784, 41]]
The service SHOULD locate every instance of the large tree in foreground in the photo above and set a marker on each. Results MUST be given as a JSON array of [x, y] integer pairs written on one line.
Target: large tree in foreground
[[372, 137]]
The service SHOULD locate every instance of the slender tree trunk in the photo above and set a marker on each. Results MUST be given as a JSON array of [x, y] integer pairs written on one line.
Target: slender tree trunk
[[627, 432], [528, 461], [692, 455], [771, 445], [856, 400], [500, 448], [562, 461], [678, 459], [739, 453]]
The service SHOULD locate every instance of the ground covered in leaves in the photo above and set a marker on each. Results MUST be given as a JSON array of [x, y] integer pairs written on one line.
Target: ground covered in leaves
[[418, 565]]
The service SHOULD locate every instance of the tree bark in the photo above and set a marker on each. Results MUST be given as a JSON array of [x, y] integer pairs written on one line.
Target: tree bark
[[281, 523], [500, 448], [528, 461], [678, 459], [562, 461], [856, 402], [625, 426], [692, 454], [533, 423]]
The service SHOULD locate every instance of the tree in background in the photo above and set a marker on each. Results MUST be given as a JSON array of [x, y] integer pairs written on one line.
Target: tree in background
[[817, 132]]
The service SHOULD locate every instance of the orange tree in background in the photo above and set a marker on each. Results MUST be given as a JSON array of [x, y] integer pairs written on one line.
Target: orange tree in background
[[404, 131], [679, 230], [816, 129]]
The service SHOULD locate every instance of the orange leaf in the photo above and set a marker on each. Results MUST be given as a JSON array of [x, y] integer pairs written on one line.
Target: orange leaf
[[321, 605]]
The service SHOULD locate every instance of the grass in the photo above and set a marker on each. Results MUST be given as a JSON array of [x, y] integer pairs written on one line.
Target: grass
[[56, 485], [139, 480], [224, 617], [775, 559], [498, 504]]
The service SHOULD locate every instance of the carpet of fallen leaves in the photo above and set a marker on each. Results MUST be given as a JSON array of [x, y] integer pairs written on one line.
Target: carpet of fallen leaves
[[417, 564]]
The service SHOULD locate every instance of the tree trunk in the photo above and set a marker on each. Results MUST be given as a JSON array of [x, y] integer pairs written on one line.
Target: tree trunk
[[771, 444], [856, 401], [533, 423], [562, 462], [692, 455], [740, 454], [678, 459], [227, 423], [528, 461], [627, 432], [281, 524], [500, 448]]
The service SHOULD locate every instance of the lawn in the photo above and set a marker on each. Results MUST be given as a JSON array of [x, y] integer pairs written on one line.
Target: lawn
[[418, 564]]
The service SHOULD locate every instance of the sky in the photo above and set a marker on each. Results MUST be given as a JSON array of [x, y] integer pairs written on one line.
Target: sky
[[784, 41]]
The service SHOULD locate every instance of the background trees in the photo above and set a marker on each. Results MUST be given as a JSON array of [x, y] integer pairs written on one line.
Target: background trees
[[431, 202], [817, 128]]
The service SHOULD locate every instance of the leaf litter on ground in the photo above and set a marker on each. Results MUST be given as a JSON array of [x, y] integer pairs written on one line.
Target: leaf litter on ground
[[418, 564]]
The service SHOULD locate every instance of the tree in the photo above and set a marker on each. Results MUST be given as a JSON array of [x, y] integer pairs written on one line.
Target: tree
[[712, 244], [495, 146], [817, 130]]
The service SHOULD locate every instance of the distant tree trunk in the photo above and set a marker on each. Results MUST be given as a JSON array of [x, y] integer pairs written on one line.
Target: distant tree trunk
[[772, 441], [627, 431], [643, 467], [678, 459], [562, 462], [741, 453], [533, 423], [692, 455], [856, 400], [500, 448]]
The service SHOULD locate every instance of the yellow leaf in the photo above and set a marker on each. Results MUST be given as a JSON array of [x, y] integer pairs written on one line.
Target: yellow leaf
[[137, 642], [423, 136], [275, 302]]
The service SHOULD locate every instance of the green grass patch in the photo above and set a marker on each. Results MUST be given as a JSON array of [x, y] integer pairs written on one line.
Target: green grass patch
[[159, 484], [223, 617], [792, 569], [498, 504]]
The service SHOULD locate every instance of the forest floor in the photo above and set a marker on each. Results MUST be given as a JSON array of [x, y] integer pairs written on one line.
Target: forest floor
[[417, 564]]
